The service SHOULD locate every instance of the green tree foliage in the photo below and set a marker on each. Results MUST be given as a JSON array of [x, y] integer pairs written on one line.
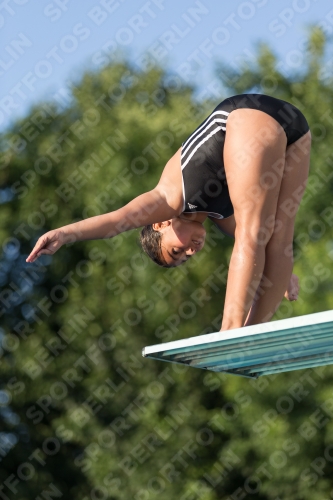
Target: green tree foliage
[[83, 415]]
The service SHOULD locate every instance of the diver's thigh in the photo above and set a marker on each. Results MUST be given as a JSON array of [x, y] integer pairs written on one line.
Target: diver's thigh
[[254, 159], [293, 185]]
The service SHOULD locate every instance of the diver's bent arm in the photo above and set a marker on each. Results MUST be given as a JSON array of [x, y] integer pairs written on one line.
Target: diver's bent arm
[[226, 226]]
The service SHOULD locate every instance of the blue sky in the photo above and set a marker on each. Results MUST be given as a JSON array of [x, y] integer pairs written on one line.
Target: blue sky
[[45, 44]]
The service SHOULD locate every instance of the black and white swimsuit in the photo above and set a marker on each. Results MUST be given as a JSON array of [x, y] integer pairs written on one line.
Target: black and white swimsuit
[[205, 186]]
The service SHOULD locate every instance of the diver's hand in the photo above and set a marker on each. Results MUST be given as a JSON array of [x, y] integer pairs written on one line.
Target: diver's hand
[[293, 288], [47, 244]]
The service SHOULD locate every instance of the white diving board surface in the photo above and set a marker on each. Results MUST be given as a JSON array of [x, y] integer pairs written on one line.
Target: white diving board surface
[[252, 351]]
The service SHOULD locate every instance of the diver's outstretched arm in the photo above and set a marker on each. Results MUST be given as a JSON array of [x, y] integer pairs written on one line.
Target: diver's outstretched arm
[[145, 209]]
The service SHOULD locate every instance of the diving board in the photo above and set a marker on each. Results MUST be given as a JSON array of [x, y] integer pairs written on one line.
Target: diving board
[[252, 351]]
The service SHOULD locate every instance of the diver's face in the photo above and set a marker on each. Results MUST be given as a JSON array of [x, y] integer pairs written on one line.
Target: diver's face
[[180, 239]]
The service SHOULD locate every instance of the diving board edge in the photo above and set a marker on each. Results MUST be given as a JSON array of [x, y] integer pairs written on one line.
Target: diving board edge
[[263, 328]]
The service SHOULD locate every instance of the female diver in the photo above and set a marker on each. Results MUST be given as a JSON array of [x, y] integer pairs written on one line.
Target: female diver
[[245, 167]]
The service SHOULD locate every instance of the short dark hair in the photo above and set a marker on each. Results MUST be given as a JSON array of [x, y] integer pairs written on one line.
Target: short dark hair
[[151, 244]]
